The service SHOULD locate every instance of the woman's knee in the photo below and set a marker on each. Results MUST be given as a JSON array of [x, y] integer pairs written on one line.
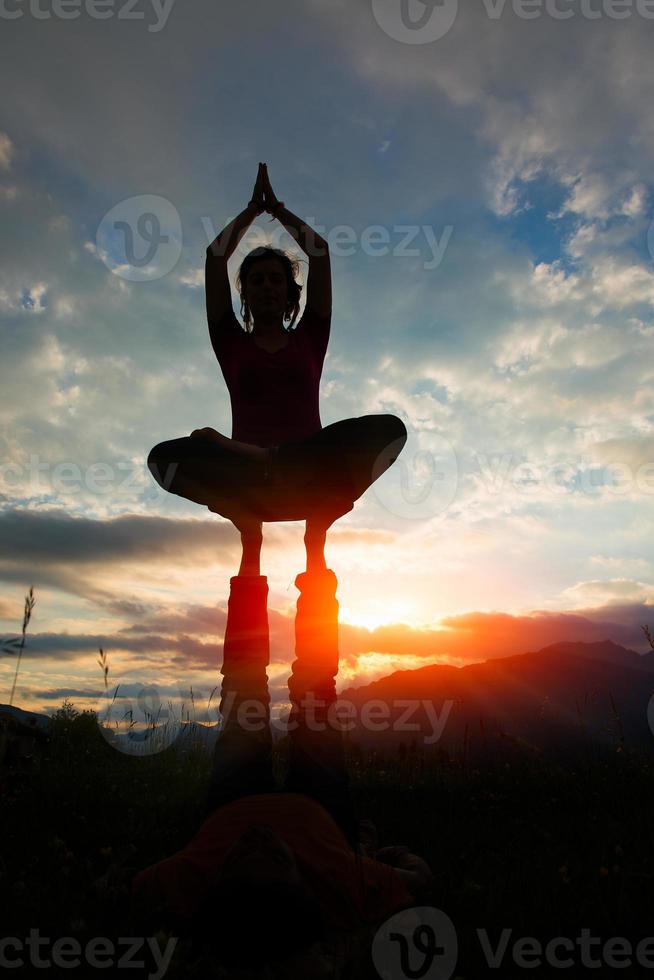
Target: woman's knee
[[385, 430], [155, 454], [390, 436], [155, 458], [175, 451], [395, 427], [162, 464]]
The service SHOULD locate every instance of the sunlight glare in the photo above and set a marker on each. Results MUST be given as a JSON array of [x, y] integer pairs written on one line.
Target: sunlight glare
[[375, 612]]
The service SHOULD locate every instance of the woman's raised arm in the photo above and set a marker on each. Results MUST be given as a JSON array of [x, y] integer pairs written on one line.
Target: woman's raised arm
[[216, 280], [319, 282]]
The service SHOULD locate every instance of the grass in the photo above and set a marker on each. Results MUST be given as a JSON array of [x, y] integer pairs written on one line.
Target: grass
[[543, 849], [16, 644]]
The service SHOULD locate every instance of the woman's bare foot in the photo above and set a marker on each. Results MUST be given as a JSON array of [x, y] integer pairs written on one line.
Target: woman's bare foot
[[245, 448]]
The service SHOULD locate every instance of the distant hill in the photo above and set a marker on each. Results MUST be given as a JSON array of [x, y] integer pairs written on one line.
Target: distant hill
[[603, 650], [564, 695], [183, 738], [30, 719]]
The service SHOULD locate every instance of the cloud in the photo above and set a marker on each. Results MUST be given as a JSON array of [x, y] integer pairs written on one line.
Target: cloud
[[97, 559], [465, 638], [10, 610], [191, 619], [60, 693], [160, 651], [87, 557], [6, 151], [55, 535], [499, 634], [606, 590]]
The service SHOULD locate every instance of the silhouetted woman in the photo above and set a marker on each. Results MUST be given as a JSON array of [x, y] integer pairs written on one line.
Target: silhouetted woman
[[280, 463], [275, 873]]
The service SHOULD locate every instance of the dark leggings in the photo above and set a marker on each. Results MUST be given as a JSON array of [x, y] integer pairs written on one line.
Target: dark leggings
[[319, 475]]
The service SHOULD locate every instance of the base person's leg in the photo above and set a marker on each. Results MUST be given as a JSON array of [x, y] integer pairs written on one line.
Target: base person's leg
[[243, 753], [316, 750]]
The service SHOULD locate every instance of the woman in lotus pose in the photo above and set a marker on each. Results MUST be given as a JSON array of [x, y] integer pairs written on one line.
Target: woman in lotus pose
[[280, 463]]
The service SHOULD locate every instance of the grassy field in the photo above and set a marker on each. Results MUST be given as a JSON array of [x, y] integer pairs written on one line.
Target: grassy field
[[541, 848]]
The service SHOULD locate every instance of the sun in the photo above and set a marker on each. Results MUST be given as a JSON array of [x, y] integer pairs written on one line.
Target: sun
[[374, 612]]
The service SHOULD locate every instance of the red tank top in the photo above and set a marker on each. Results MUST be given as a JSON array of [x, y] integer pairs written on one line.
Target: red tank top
[[274, 396]]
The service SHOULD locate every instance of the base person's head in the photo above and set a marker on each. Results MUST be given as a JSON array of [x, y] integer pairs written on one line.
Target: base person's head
[[261, 912], [266, 282]]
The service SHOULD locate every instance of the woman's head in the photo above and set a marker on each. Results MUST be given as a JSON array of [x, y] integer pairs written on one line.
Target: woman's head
[[266, 282]]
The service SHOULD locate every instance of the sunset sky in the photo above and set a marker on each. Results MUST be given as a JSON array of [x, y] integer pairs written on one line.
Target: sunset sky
[[487, 197]]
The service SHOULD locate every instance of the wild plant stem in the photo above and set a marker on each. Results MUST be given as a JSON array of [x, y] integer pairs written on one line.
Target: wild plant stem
[[29, 606]]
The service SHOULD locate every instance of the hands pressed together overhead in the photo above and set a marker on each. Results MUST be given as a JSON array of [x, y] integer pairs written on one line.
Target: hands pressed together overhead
[[263, 196]]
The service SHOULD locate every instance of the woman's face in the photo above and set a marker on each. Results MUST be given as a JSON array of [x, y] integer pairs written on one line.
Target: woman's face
[[266, 290]]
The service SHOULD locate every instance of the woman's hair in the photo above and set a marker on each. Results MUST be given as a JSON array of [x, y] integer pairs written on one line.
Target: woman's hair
[[291, 268], [250, 926]]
